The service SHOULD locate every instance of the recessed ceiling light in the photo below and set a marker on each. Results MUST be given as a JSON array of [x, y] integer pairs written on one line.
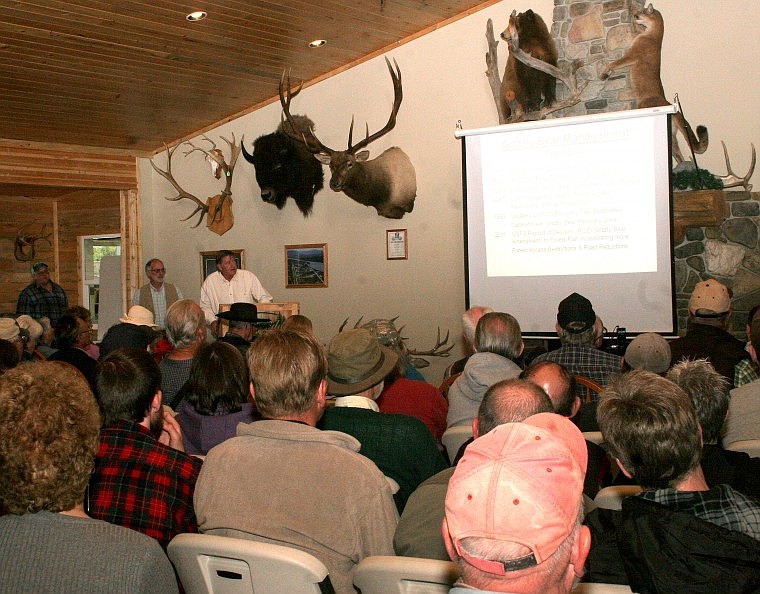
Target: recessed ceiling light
[[317, 43], [196, 16]]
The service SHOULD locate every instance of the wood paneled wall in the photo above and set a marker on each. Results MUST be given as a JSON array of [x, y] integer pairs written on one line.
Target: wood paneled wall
[[15, 275], [44, 185], [85, 212]]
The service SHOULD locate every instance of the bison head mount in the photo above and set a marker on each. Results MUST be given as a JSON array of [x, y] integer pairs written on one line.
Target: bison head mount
[[285, 167]]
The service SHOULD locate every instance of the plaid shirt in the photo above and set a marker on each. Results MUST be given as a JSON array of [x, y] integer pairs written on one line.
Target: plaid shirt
[[37, 302], [745, 372], [721, 505], [142, 484], [584, 359]]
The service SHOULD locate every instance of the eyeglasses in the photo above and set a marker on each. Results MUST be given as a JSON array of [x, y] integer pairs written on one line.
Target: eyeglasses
[[157, 270]]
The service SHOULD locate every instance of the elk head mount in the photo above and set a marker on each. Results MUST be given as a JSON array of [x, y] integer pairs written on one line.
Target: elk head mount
[[218, 209], [24, 246], [388, 182]]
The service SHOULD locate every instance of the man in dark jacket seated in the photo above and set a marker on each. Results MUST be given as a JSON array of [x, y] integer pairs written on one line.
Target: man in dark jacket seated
[[679, 535], [710, 393], [707, 335]]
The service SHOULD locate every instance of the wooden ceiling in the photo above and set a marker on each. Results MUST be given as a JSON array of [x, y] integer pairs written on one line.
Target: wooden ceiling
[[129, 75]]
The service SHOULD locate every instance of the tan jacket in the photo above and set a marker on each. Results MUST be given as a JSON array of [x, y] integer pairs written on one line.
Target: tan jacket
[[292, 484]]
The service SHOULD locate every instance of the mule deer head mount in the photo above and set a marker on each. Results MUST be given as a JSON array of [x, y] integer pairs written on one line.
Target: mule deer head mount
[[218, 209]]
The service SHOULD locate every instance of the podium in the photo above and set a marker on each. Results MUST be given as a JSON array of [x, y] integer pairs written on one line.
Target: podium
[[274, 310]]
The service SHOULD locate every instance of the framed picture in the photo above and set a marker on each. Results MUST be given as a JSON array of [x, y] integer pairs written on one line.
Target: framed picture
[[396, 247], [306, 265], [208, 261]]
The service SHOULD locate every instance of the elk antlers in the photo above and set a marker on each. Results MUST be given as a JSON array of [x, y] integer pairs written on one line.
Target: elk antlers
[[27, 241], [314, 144], [219, 166], [436, 350]]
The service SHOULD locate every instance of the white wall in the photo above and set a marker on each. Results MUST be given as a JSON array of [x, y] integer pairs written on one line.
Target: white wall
[[709, 59]]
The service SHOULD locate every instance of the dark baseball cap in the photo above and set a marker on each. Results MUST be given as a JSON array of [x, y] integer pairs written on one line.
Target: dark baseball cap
[[575, 314]]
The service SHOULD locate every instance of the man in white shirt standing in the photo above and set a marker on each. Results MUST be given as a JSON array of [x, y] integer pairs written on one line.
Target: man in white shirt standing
[[229, 285], [156, 296]]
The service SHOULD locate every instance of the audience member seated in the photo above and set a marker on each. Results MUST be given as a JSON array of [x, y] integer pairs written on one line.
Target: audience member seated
[[83, 314], [559, 384], [709, 393], [186, 331], [242, 319], [215, 398], [135, 330], [748, 370], [386, 333], [33, 331], [414, 398], [71, 334], [498, 341], [47, 541], [743, 421], [46, 340], [142, 478], [648, 351], [418, 533], [8, 355], [470, 320], [401, 446], [678, 535], [281, 480], [11, 332], [298, 323], [707, 335], [514, 509], [581, 332]]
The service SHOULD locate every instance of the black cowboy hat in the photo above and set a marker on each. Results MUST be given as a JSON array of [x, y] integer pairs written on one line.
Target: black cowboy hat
[[243, 312]]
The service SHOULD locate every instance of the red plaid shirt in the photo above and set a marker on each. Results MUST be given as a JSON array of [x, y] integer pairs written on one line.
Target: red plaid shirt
[[142, 484]]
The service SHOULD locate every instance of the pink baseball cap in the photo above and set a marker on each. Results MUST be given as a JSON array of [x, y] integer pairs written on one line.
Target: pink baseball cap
[[520, 483]]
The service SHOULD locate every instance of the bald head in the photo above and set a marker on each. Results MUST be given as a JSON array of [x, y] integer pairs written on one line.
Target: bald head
[[510, 401], [558, 383], [470, 320]]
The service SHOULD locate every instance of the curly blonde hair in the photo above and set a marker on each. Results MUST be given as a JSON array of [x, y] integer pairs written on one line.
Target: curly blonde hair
[[54, 421]]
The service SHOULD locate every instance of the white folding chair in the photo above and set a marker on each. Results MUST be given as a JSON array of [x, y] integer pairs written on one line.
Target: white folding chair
[[749, 446], [404, 575], [208, 564], [454, 437], [612, 497]]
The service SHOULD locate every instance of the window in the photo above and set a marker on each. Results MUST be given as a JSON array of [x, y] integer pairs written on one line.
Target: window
[[93, 248]]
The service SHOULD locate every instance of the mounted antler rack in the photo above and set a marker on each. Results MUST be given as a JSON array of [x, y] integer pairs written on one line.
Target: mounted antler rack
[[217, 209]]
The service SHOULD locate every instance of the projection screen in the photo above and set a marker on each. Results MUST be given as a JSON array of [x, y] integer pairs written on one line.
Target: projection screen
[[579, 204]]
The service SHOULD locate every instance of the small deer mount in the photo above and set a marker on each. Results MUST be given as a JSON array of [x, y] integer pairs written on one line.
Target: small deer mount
[[218, 209], [387, 334], [24, 246]]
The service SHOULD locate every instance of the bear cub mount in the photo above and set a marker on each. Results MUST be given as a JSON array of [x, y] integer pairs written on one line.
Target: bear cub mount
[[527, 88]]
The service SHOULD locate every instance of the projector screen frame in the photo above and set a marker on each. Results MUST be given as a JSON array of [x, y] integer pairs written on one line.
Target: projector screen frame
[[670, 331]]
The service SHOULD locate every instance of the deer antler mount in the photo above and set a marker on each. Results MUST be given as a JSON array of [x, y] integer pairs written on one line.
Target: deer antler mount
[[218, 209], [24, 246]]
